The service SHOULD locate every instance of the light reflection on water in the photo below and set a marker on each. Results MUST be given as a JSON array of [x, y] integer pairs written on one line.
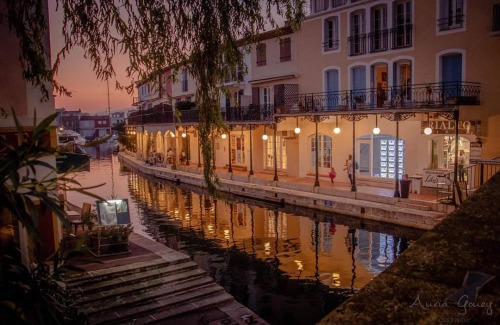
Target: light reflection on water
[[286, 267]]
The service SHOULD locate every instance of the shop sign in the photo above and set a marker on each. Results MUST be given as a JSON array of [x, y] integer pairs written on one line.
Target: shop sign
[[432, 177], [448, 127], [476, 149]]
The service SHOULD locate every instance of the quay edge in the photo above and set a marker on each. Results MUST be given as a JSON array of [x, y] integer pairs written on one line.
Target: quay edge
[[403, 212]]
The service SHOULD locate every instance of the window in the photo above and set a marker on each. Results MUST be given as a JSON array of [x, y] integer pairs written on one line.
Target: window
[[496, 18], [338, 3], [184, 80], [357, 39], [324, 153], [379, 34], [319, 5], [402, 31], [451, 14], [238, 149], [331, 34], [261, 54], [285, 50], [281, 158]]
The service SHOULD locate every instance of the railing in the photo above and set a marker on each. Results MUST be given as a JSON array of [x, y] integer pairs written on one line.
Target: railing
[[357, 44], [401, 36], [472, 177], [250, 113], [429, 95], [451, 22], [479, 172], [378, 41], [331, 45]]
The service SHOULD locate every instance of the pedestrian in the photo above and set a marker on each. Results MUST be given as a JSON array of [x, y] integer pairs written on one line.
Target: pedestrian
[[461, 166], [170, 155], [332, 174], [154, 156], [349, 167]]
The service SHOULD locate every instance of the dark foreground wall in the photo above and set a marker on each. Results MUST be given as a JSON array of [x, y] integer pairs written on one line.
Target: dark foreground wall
[[415, 289]]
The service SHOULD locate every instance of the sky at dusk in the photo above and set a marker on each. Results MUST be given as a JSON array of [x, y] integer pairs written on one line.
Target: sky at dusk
[[76, 74]]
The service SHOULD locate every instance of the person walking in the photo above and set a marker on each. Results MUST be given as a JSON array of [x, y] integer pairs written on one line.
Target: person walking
[[461, 166], [332, 174], [349, 167]]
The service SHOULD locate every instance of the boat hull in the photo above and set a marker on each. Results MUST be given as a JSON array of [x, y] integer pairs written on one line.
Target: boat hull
[[67, 161]]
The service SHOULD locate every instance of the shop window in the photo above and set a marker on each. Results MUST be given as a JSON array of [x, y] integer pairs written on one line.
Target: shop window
[[281, 157], [378, 158], [443, 151]]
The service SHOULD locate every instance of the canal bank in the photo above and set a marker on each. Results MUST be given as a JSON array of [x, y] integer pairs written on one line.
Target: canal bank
[[450, 275], [367, 203]]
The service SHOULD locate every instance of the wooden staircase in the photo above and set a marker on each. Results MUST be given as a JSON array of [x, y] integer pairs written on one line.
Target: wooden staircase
[[145, 291]]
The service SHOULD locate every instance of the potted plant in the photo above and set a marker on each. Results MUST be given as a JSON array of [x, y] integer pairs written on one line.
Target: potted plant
[[359, 99]]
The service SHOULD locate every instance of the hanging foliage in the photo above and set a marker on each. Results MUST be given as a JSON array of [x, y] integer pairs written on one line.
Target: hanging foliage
[[205, 36]]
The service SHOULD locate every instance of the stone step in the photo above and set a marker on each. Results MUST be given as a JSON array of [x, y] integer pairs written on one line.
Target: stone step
[[144, 305], [90, 277], [123, 279], [108, 290], [413, 206], [162, 317], [147, 295]]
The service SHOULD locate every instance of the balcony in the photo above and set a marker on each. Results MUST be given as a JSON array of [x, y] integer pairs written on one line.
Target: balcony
[[250, 113], [422, 96], [357, 44]]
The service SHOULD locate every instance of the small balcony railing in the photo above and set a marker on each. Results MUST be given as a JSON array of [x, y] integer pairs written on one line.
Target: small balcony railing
[[378, 41], [402, 36], [451, 22], [432, 95], [357, 44]]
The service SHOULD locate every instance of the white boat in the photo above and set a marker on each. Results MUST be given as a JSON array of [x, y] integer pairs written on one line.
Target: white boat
[[65, 136]]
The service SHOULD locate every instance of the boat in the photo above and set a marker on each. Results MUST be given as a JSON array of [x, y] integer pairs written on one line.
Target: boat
[[72, 156], [65, 136]]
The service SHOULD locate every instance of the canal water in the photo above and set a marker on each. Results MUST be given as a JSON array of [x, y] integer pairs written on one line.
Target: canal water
[[289, 265]]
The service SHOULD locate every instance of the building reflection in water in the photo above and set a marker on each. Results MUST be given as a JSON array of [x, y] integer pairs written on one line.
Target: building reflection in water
[[289, 265], [270, 259]]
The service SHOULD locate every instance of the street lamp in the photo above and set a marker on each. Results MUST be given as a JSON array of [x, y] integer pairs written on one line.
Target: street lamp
[[376, 129], [223, 136], [337, 129], [428, 130], [297, 129], [264, 136]]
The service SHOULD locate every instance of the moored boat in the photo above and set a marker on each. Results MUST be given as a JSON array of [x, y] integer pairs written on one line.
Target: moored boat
[[72, 156]]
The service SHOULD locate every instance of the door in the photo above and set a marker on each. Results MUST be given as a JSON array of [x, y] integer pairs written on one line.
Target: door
[[332, 88], [365, 158], [452, 74]]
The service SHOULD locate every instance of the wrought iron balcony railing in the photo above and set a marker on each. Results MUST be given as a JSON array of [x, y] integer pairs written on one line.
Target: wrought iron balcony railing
[[378, 41], [402, 36], [432, 95], [451, 22], [250, 113]]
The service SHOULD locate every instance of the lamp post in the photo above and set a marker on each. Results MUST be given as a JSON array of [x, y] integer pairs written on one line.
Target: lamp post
[[275, 152], [316, 180], [230, 168], [251, 149]]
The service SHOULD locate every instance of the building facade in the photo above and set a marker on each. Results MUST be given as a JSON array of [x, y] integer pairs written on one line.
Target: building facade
[[398, 66]]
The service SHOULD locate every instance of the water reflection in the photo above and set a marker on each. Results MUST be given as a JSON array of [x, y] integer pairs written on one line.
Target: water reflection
[[289, 265]]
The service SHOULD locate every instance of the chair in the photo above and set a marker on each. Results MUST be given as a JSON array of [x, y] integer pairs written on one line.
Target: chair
[[75, 218]]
